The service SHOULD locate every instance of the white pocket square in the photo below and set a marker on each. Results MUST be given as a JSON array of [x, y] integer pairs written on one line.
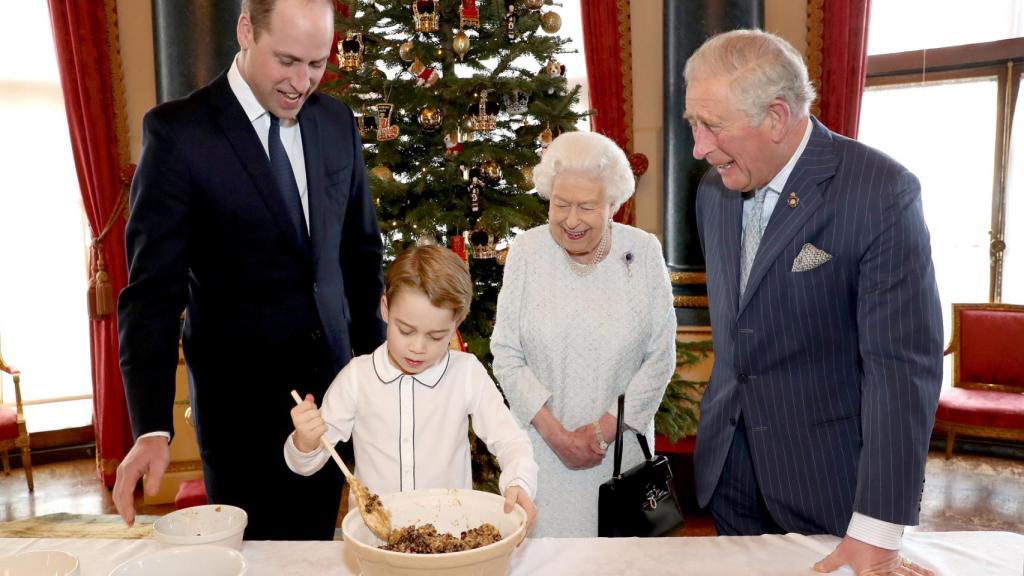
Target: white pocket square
[[809, 258]]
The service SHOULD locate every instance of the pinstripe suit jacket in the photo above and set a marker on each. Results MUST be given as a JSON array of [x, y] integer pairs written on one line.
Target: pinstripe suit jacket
[[836, 370]]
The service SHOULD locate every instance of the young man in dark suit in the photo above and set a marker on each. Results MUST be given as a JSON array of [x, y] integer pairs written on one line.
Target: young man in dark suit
[[250, 210], [824, 309]]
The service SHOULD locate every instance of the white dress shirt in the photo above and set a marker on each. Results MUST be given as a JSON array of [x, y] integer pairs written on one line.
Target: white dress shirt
[[864, 528], [291, 135], [411, 431]]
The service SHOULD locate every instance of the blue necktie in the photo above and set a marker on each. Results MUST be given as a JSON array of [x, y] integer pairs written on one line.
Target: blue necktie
[[285, 178], [752, 231]]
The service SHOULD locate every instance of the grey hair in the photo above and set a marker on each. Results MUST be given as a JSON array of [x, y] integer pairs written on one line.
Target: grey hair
[[759, 67], [591, 153]]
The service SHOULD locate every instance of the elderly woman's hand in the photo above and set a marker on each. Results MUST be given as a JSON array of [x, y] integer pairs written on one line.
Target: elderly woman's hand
[[578, 449]]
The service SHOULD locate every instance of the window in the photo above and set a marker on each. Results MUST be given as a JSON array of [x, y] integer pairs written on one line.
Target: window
[[941, 98], [44, 328]]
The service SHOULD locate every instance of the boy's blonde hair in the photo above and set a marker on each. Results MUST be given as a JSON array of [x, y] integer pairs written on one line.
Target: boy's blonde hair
[[437, 272]]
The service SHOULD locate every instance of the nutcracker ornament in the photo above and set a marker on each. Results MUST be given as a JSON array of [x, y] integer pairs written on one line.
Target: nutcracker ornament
[[511, 19]]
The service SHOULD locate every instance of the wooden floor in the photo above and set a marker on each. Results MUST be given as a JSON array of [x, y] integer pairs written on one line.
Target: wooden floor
[[969, 492]]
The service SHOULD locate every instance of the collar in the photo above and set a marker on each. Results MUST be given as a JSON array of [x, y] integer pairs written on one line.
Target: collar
[[779, 182], [252, 107], [388, 373]]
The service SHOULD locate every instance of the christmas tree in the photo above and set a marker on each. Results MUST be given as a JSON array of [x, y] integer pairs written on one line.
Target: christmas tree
[[456, 100]]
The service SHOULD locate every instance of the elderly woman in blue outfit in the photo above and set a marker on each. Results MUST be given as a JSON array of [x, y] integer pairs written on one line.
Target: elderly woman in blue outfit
[[584, 315]]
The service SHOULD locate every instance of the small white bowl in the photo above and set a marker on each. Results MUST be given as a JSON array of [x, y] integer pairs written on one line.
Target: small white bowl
[[40, 563], [215, 524], [205, 560], [449, 511]]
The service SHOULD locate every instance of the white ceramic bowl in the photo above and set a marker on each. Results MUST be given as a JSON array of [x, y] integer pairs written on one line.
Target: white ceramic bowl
[[216, 524], [205, 560], [449, 511], [39, 563]]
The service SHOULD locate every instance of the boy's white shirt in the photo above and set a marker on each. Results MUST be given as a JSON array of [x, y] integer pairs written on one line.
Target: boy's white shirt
[[411, 431]]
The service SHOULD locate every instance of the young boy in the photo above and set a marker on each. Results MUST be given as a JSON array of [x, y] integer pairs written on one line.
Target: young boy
[[405, 406]]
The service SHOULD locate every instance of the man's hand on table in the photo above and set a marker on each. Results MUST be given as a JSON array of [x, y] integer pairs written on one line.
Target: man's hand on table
[[149, 456], [868, 560]]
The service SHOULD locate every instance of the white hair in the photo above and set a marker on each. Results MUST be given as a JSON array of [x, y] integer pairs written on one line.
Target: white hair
[[593, 154], [759, 67]]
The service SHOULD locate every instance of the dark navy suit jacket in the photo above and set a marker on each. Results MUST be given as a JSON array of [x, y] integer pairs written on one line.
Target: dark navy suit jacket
[[209, 232], [835, 370]]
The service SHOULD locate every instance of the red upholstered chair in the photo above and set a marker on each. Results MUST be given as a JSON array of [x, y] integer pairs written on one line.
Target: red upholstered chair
[[13, 433], [987, 397]]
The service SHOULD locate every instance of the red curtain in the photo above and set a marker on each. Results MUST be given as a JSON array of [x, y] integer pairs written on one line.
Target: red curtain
[[844, 45], [85, 34], [607, 47]]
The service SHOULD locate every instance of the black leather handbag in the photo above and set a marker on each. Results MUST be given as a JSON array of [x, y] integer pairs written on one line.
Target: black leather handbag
[[640, 502]]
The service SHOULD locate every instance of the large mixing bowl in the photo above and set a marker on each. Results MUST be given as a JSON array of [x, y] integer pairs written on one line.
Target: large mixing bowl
[[449, 511]]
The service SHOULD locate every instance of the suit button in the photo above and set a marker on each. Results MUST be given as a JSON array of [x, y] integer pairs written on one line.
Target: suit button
[[315, 335], [743, 378], [316, 288], [732, 421]]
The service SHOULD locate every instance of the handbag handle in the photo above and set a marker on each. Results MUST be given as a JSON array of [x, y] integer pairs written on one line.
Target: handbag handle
[[617, 472]]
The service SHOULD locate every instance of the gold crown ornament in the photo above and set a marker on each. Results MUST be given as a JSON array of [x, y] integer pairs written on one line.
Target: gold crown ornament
[[350, 52], [425, 15]]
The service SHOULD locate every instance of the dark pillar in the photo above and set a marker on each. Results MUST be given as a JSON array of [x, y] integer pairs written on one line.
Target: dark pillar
[[193, 42], [687, 25]]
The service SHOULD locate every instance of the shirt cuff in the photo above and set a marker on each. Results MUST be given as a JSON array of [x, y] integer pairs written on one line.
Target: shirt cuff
[[162, 434], [875, 532], [304, 463]]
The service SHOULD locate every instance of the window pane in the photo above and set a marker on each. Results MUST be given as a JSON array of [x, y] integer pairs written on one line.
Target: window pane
[[1013, 257], [43, 321], [902, 25], [945, 134]]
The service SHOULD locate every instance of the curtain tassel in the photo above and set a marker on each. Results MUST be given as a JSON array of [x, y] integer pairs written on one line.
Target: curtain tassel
[[100, 296]]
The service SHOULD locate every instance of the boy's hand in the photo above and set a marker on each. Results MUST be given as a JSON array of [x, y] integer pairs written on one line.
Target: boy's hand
[[516, 495], [309, 426]]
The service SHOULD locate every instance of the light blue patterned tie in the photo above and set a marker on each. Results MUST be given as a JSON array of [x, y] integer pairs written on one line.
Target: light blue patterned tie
[[752, 231], [281, 166]]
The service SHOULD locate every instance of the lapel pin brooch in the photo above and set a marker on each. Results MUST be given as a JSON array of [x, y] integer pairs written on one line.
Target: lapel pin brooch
[[793, 200]]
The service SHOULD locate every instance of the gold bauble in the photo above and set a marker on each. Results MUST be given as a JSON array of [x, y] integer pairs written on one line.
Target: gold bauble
[[405, 51], [430, 118], [378, 74], [382, 172], [501, 256], [491, 171], [460, 43], [533, 4], [527, 173], [551, 22]]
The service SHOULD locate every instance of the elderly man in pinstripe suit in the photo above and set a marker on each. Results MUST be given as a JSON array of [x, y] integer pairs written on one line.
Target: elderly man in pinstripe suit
[[824, 309]]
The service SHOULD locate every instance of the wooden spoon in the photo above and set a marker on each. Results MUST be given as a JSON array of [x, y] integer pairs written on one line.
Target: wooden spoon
[[370, 507]]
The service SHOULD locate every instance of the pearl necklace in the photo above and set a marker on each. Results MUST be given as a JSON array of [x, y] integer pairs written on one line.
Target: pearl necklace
[[584, 270]]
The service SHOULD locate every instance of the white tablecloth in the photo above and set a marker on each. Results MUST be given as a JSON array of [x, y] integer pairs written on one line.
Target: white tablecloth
[[948, 553]]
